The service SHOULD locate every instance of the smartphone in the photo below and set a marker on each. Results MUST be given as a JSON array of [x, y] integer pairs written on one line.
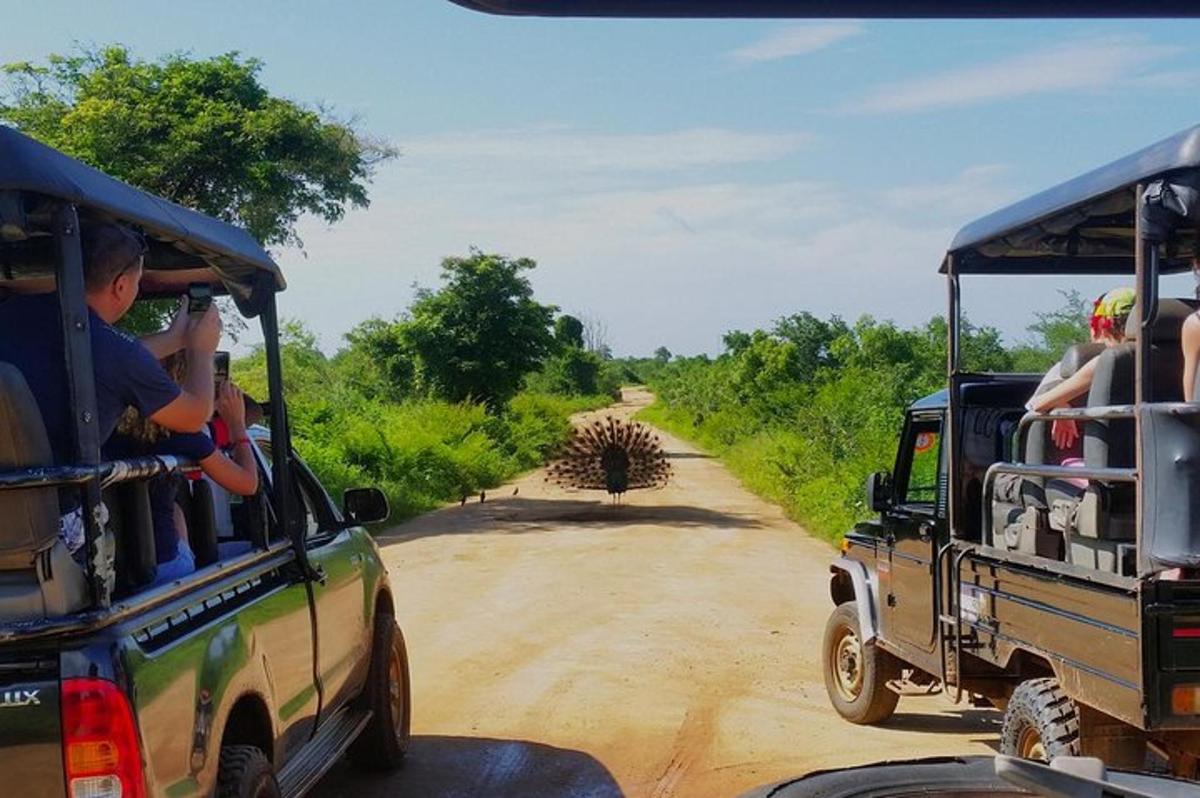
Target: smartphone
[[200, 297], [220, 369]]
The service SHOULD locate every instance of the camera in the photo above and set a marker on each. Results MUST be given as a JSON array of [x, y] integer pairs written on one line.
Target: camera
[[220, 369], [200, 297]]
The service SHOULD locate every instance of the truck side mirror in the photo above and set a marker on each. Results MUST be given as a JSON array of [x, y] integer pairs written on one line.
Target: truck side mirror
[[879, 491], [365, 505]]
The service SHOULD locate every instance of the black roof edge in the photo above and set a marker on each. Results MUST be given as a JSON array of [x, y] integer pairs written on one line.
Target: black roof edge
[[29, 166], [1022, 219]]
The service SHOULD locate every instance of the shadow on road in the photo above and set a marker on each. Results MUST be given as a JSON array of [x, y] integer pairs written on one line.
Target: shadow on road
[[469, 766], [963, 721], [688, 456], [514, 515]]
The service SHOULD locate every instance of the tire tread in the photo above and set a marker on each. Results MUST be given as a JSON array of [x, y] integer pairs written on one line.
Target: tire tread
[[1042, 703]]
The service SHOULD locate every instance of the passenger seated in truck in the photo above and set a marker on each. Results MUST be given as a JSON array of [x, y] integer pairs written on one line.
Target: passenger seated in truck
[[1107, 327], [127, 370], [140, 436]]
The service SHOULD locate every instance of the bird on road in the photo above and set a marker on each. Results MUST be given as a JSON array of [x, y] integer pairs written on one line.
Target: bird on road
[[614, 456]]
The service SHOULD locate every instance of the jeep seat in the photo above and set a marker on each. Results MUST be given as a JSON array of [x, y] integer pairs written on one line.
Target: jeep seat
[[1105, 516], [1016, 514], [38, 578]]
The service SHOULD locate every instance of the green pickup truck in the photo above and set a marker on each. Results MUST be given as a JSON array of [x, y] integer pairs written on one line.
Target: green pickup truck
[[250, 676]]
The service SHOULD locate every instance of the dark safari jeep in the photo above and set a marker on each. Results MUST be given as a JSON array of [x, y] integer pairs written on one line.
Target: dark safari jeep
[[248, 677], [1072, 602]]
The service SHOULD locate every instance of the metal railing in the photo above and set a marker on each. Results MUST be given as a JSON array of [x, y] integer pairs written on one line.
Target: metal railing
[[107, 473]]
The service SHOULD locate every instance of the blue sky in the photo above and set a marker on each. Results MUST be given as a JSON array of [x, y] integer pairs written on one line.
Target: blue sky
[[676, 179]]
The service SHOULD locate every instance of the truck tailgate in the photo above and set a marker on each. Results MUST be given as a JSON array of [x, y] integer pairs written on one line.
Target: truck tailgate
[[31, 756]]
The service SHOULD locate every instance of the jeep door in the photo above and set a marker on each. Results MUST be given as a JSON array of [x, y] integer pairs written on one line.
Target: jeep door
[[913, 523], [339, 597]]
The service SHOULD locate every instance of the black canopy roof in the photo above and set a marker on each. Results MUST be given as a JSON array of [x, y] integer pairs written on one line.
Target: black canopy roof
[[181, 238], [837, 8], [1082, 226]]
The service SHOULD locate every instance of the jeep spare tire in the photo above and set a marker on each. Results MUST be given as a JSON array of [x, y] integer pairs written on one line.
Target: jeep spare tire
[[857, 673]]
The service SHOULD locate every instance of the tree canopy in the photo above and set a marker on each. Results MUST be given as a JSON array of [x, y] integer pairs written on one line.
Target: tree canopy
[[203, 132], [477, 337]]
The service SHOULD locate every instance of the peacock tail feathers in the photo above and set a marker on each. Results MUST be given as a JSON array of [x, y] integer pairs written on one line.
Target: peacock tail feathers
[[611, 455]]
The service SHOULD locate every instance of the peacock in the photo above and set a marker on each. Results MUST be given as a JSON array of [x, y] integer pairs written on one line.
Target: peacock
[[611, 455]]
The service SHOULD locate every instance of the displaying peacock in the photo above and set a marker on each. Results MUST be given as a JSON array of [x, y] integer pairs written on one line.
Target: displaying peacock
[[611, 455]]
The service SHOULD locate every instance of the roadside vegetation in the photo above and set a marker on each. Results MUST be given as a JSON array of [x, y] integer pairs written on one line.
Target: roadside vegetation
[[804, 411], [474, 384]]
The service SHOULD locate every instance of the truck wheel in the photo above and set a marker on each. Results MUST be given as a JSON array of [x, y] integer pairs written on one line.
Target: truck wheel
[[384, 742], [1041, 722], [245, 772], [856, 675]]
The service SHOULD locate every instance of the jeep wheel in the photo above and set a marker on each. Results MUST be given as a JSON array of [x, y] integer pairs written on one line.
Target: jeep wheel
[[856, 675], [384, 742], [1041, 722], [245, 772]]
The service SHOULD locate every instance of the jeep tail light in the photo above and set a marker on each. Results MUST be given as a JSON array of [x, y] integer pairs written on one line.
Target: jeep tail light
[[100, 746], [1185, 699]]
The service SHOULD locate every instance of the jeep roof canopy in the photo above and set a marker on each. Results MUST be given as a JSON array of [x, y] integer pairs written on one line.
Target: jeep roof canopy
[[1085, 225], [45, 196], [894, 9], [181, 240]]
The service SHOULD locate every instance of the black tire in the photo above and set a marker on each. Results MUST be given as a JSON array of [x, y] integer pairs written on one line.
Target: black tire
[[1040, 722], [384, 742], [856, 675], [245, 772]]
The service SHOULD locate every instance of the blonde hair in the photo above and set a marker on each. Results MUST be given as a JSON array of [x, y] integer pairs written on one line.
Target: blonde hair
[[145, 430]]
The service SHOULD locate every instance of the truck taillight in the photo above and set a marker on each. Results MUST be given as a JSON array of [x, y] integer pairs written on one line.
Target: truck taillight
[[1185, 699], [100, 747]]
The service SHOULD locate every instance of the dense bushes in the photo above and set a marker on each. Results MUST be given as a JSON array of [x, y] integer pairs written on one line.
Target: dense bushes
[[420, 451], [803, 413], [464, 390]]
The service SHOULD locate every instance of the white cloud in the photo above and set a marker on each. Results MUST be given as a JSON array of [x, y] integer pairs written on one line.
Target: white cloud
[[796, 40], [568, 149], [1087, 65], [669, 258]]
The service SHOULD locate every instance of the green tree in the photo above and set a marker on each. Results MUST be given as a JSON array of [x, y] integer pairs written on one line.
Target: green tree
[[571, 372], [568, 332], [812, 337], [379, 360], [202, 132], [662, 355], [480, 334]]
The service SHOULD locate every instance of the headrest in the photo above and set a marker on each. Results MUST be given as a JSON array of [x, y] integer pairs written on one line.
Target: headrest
[[1168, 324], [1076, 356]]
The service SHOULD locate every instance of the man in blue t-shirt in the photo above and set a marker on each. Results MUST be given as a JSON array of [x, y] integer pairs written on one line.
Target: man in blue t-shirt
[[127, 370]]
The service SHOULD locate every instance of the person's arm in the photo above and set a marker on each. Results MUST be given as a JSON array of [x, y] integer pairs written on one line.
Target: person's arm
[[1064, 432], [192, 409], [239, 475], [171, 340], [1190, 341], [1071, 388]]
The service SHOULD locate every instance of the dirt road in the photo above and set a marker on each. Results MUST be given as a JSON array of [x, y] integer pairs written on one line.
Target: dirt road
[[669, 647]]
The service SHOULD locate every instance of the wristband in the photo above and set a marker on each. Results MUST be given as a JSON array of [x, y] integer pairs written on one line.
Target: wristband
[[240, 441]]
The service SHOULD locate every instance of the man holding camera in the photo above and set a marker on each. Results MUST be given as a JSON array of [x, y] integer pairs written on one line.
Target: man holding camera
[[128, 372]]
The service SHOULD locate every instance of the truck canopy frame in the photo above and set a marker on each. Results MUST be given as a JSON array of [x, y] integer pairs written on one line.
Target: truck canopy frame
[[1135, 216], [43, 195]]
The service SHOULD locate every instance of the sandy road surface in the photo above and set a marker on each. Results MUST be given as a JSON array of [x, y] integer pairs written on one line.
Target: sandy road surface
[[670, 647]]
